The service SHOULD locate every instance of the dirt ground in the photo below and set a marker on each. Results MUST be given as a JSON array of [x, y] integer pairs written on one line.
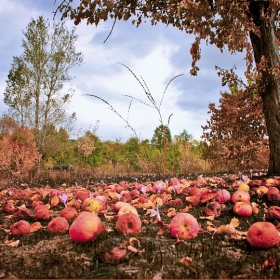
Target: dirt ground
[[216, 256]]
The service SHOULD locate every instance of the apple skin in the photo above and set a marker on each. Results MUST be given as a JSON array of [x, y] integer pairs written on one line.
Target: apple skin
[[58, 225], [119, 205], [224, 195], [19, 228], [240, 195], [263, 235], [184, 226], [273, 213], [86, 227], [242, 209], [128, 224], [69, 213]]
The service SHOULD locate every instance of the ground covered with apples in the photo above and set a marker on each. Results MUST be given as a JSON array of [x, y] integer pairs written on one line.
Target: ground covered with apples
[[205, 227]]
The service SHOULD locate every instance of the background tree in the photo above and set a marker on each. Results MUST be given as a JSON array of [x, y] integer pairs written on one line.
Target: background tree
[[18, 152], [251, 25], [236, 134], [34, 91]]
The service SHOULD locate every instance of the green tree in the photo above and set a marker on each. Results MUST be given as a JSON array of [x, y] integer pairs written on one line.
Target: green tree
[[161, 136], [251, 26], [34, 91]]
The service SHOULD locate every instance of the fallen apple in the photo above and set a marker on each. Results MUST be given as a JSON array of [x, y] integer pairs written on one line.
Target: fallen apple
[[128, 223], [273, 195], [263, 235], [244, 187], [58, 225], [240, 196], [69, 213], [91, 205], [242, 209], [223, 195], [86, 227], [273, 213], [183, 226], [42, 212], [213, 209], [19, 228]]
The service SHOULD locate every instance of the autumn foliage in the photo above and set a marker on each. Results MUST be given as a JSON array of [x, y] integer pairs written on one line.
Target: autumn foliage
[[236, 134], [18, 152]]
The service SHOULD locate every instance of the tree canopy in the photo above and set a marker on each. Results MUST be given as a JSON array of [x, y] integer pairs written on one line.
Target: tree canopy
[[238, 25], [35, 90]]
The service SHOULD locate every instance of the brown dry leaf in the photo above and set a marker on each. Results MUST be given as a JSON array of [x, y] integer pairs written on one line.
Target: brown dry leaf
[[208, 197], [134, 240], [211, 218], [234, 222], [148, 204], [171, 212], [9, 217], [12, 243], [186, 261], [229, 229], [132, 249], [186, 209], [237, 237], [54, 201], [112, 194], [211, 227], [255, 208], [270, 262], [35, 226]]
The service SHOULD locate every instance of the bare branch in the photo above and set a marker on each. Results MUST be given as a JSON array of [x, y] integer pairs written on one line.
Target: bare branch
[[111, 30]]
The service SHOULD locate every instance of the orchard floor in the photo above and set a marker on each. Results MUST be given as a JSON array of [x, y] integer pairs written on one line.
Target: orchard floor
[[42, 255]]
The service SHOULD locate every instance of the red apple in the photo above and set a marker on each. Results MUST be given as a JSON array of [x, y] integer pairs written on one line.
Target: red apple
[[42, 212], [86, 227], [19, 228], [240, 196], [69, 213], [273, 195], [243, 209], [273, 213], [183, 226], [213, 209], [119, 205], [263, 235], [82, 195], [128, 223], [58, 225], [223, 195]]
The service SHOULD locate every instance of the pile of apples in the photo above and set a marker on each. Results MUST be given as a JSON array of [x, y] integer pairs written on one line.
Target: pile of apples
[[82, 208]]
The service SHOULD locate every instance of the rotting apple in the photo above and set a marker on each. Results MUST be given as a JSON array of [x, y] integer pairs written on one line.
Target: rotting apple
[[240, 196], [128, 224], [273, 213], [19, 228], [223, 195], [86, 227], [69, 213], [183, 226], [58, 225], [112, 251], [263, 235], [213, 209], [273, 195], [42, 212], [242, 209]]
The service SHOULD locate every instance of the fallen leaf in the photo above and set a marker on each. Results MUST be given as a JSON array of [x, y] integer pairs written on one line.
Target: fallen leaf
[[270, 262], [12, 243], [186, 261], [229, 229], [132, 249], [211, 218], [133, 240], [35, 226], [234, 222]]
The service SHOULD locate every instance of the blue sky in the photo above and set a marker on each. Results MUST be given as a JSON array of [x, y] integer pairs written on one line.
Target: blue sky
[[157, 53]]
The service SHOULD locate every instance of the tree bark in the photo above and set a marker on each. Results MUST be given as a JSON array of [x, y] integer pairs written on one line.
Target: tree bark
[[265, 47]]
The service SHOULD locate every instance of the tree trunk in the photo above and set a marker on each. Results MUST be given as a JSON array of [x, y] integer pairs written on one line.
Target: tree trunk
[[265, 47]]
